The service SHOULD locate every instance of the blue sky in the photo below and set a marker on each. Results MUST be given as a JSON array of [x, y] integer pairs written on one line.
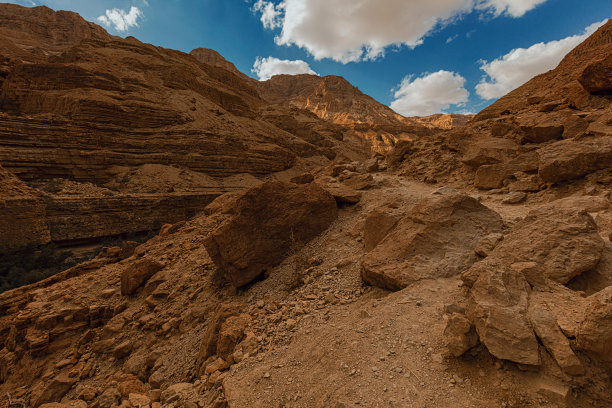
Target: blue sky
[[419, 56]]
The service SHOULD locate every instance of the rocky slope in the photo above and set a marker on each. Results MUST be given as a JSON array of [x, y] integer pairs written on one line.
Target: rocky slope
[[554, 130], [212, 57], [69, 110], [334, 99], [446, 121]]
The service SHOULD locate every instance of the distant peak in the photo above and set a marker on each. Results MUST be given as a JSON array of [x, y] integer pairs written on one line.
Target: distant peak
[[212, 57]]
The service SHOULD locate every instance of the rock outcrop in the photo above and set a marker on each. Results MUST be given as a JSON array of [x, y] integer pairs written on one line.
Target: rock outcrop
[[335, 100], [22, 215], [549, 247], [559, 243], [554, 129], [264, 224], [436, 239], [69, 110]]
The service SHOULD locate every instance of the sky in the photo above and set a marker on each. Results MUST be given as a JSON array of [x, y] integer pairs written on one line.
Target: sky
[[418, 56]]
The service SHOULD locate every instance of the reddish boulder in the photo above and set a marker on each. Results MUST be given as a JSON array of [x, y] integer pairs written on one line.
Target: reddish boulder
[[571, 159], [436, 239], [540, 133], [597, 77], [490, 151], [377, 225], [210, 340], [497, 306], [231, 333], [561, 242], [267, 222], [459, 334], [137, 274], [344, 195], [595, 332]]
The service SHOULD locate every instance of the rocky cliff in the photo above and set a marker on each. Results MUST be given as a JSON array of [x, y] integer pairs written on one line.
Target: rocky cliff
[[75, 103], [334, 99], [212, 57], [446, 121], [22, 214], [553, 130]]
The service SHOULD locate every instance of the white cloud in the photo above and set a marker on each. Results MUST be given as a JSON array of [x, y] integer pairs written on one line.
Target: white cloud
[[429, 94], [521, 64], [121, 20], [266, 68], [349, 30], [514, 8], [270, 13]]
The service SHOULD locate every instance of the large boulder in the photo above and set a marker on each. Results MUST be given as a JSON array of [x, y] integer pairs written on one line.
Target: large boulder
[[541, 133], [547, 249], [561, 242], [490, 151], [597, 77], [491, 176], [265, 223], [436, 239], [377, 225], [571, 159], [135, 275], [545, 325], [497, 307], [595, 332]]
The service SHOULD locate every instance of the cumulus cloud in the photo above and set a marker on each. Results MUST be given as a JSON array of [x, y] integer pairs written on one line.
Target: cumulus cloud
[[121, 20], [349, 30], [270, 13], [266, 68], [521, 64], [514, 8], [429, 94]]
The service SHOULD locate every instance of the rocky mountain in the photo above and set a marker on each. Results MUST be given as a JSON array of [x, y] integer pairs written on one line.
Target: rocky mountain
[[32, 34], [553, 130], [72, 115], [446, 121], [212, 57], [469, 267], [334, 99]]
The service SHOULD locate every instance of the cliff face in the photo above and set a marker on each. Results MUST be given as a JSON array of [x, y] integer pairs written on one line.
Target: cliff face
[[446, 121], [334, 99], [33, 34], [212, 57], [22, 215], [75, 103]]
